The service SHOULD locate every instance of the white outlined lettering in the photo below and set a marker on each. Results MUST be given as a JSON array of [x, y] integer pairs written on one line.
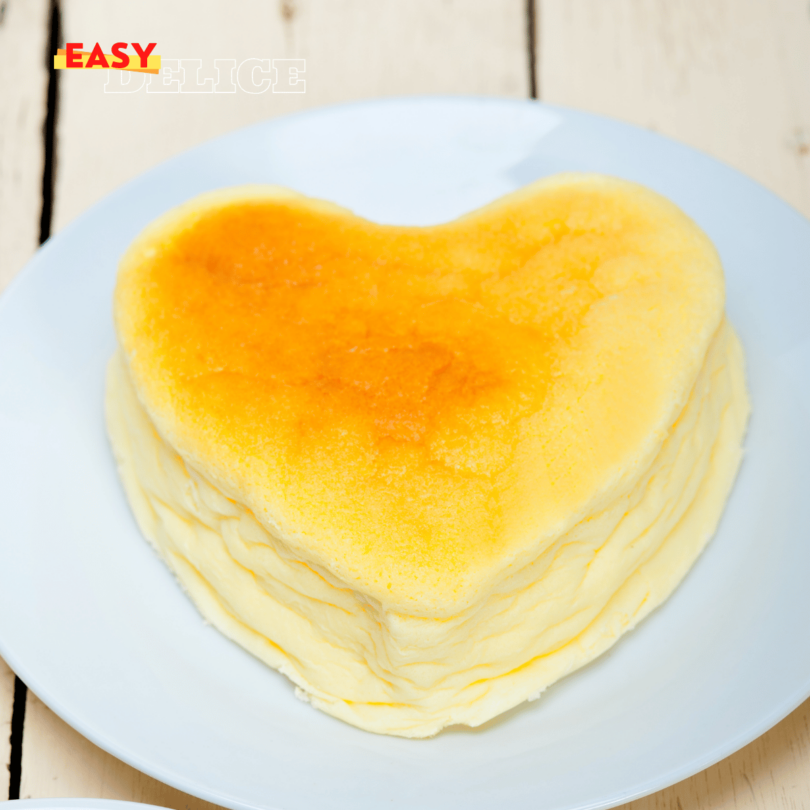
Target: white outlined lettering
[[253, 76], [246, 76], [286, 75], [169, 79], [226, 75], [191, 78]]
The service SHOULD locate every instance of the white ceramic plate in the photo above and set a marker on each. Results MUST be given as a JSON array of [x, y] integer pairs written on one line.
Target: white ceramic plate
[[96, 626], [76, 804]]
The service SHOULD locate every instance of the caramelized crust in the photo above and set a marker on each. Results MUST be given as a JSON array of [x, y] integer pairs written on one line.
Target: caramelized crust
[[418, 410]]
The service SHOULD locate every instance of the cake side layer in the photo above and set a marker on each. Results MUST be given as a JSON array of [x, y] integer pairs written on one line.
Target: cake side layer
[[392, 672]]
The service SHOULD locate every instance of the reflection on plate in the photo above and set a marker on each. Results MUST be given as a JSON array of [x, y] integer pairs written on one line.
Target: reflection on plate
[[93, 622]]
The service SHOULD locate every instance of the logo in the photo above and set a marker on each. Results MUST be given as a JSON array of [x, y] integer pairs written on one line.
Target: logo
[[252, 76], [72, 57], [129, 71]]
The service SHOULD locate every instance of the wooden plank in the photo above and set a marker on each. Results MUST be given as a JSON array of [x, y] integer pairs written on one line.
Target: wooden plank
[[23, 90], [6, 707], [730, 77], [353, 49]]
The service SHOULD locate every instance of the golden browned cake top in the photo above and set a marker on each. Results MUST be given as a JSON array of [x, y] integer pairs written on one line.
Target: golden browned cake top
[[416, 409]]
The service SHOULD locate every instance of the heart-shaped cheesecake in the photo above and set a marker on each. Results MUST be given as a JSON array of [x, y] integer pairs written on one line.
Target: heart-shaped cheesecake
[[425, 472]]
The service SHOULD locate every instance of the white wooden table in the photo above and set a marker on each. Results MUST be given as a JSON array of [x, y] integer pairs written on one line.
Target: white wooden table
[[731, 77]]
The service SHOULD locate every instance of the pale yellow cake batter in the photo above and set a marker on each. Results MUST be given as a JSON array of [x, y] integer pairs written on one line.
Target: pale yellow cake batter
[[426, 472]]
